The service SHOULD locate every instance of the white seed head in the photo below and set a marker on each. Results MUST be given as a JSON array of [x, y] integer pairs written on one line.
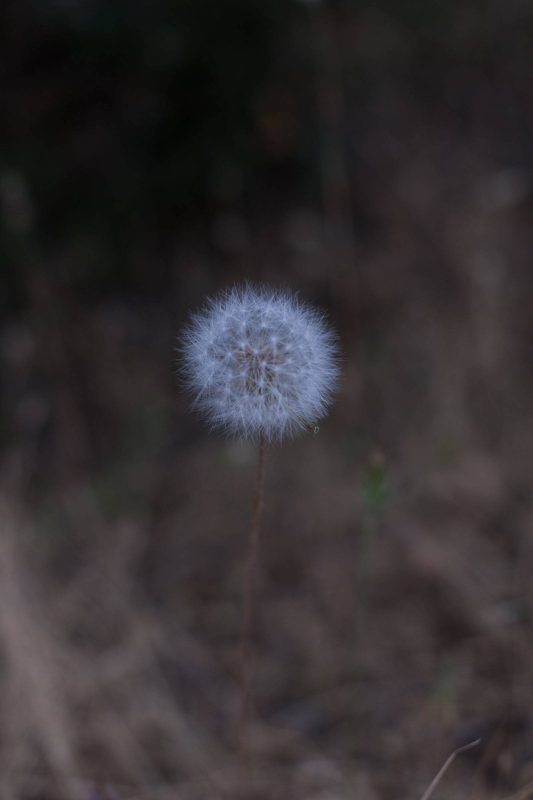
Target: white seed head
[[260, 362]]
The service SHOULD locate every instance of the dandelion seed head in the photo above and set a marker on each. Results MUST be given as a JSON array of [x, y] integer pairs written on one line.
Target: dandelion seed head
[[260, 362]]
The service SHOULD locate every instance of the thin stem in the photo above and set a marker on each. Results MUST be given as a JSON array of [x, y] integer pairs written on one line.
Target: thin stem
[[449, 761], [250, 578]]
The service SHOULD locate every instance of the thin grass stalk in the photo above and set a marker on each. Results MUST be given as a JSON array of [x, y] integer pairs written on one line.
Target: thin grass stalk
[[449, 761]]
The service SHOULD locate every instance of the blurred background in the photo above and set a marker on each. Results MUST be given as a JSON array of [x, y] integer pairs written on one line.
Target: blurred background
[[376, 157]]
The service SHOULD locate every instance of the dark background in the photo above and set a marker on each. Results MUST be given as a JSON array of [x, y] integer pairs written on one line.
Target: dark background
[[377, 158]]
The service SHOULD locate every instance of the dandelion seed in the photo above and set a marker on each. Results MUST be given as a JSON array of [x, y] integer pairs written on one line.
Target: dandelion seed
[[260, 363]]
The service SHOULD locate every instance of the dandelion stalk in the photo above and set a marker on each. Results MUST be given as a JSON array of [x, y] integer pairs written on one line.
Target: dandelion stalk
[[249, 584]]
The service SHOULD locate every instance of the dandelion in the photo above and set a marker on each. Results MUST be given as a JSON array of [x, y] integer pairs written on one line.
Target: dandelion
[[260, 363]]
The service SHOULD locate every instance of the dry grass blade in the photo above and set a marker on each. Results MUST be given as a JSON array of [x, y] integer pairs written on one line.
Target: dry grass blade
[[30, 651], [449, 761]]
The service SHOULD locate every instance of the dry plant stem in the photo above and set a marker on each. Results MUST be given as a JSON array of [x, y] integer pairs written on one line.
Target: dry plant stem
[[250, 577], [449, 761]]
